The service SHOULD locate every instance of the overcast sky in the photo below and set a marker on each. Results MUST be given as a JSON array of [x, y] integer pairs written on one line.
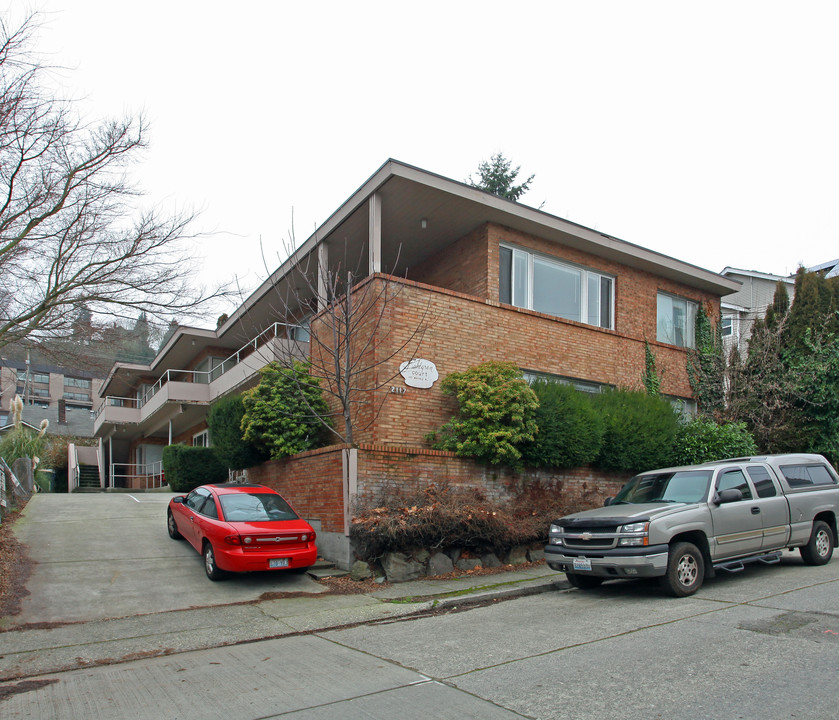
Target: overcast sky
[[705, 131]]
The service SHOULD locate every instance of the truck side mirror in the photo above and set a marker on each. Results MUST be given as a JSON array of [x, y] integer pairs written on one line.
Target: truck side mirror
[[728, 496]]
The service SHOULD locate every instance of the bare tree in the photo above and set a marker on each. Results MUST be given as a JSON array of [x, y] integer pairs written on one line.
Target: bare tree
[[352, 347], [71, 233]]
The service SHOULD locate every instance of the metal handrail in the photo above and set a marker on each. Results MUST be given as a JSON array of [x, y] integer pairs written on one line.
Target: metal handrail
[[149, 472], [174, 375]]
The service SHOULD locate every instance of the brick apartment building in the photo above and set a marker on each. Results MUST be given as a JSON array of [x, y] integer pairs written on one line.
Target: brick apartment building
[[488, 278]]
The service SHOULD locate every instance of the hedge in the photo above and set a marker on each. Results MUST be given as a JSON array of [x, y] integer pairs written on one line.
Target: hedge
[[188, 467]]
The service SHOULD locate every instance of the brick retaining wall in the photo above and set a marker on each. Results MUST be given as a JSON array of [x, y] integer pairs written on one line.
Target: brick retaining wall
[[312, 481]]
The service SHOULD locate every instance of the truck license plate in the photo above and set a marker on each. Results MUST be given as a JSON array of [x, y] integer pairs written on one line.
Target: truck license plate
[[278, 563], [582, 564]]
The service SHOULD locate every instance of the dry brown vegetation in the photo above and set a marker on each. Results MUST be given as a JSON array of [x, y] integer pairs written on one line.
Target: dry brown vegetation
[[14, 565], [441, 516]]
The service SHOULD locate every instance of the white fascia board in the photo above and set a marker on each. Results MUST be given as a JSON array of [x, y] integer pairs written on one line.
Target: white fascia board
[[789, 279], [731, 306]]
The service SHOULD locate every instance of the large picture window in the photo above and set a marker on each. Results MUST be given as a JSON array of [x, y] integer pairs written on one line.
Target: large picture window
[[675, 320], [547, 285]]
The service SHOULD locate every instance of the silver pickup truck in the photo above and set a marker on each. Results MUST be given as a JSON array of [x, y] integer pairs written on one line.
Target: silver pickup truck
[[683, 524]]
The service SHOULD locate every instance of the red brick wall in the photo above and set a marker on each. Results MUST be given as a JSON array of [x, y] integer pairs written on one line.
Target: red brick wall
[[462, 266], [464, 330], [415, 469], [311, 482], [186, 436]]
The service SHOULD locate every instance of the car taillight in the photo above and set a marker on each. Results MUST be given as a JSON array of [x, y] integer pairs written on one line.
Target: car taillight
[[233, 540], [308, 537]]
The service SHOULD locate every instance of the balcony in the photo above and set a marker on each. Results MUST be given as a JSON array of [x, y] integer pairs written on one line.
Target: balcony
[[177, 391]]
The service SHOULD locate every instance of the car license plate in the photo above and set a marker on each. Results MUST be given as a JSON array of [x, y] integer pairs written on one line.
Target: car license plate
[[582, 564], [278, 563]]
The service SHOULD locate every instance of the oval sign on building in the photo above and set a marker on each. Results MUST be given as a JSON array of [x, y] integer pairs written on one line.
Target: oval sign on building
[[419, 373]]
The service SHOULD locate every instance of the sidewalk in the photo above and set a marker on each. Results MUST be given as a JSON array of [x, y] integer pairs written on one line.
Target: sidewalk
[[30, 651]]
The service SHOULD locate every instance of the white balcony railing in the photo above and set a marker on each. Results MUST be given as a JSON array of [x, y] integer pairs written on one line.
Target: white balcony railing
[[195, 377]]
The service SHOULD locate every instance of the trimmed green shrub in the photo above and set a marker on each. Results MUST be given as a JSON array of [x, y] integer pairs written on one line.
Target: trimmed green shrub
[[496, 414], [187, 467], [286, 412], [640, 431], [701, 440], [570, 428], [225, 423]]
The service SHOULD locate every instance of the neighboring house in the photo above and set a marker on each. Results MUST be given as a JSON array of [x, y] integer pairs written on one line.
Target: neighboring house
[[828, 269], [741, 308], [497, 280], [67, 397]]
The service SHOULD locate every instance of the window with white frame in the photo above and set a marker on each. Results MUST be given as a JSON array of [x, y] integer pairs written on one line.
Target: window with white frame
[[727, 327], [675, 320], [545, 284], [201, 439]]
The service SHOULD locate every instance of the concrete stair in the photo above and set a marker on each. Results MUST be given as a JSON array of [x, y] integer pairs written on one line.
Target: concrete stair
[[323, 569], [88, 479]]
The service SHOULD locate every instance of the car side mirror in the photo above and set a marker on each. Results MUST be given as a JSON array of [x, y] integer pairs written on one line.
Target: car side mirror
[[178, 499], [608, 501], [728, 496]]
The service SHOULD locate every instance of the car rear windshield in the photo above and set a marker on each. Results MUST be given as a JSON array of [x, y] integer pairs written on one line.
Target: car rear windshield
[[255, 507], [681, 486]]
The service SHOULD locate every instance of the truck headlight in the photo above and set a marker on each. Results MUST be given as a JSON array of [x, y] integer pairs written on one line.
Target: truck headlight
[[639, 531], [638, 527], [555, 530]]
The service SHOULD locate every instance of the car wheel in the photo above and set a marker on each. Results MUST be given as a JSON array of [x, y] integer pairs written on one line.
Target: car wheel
[[584, 582], [213, 571], [172, 527], [819, 549], [685, 570]]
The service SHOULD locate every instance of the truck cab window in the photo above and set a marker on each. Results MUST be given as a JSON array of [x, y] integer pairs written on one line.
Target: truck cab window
[[762, 482], [734, 479]]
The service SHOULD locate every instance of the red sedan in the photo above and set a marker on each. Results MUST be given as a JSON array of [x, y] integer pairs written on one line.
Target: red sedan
[[240, 528]]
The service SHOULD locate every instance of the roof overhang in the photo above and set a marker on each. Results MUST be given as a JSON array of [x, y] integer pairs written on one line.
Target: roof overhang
[[423, 212]]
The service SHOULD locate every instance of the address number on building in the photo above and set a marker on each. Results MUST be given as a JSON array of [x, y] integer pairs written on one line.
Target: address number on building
[[397, 390]]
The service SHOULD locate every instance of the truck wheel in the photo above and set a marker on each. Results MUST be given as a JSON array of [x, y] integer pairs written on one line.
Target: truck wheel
[[819, 549], [584, 582], [685, 570]]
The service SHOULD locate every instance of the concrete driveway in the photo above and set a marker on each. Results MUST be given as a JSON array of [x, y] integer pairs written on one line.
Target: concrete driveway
[[98, 556]]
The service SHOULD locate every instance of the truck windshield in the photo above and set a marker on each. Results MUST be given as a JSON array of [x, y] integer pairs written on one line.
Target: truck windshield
[[682, 486]]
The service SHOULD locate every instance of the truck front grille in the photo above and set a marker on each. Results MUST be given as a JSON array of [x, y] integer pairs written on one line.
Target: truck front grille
[[594, 538]]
